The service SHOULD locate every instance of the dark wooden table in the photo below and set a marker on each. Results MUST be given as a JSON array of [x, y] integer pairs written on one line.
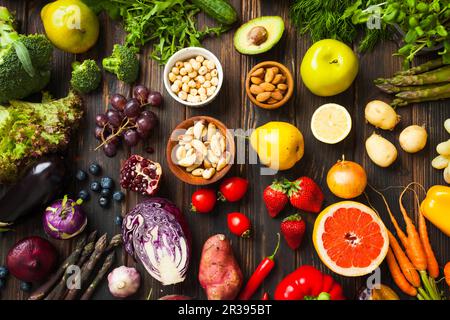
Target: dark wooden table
[[234, 109]]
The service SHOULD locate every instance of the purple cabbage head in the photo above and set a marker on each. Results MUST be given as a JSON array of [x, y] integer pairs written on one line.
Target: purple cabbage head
[[155, 234], [64, 219]]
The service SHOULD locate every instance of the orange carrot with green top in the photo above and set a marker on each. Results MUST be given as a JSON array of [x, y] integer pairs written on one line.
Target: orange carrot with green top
[[398, 276]]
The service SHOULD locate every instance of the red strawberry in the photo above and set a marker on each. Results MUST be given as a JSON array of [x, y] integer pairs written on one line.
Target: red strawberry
[[293, 228], [275, 197], [306, 195]]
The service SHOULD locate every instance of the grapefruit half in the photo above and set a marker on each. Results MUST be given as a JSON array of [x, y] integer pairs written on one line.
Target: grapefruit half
[[350, 238]]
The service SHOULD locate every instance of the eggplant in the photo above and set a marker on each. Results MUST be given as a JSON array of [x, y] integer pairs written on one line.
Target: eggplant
[[41, 184]]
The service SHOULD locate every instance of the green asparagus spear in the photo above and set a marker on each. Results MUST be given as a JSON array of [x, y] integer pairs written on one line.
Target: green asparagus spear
[[435, 76], [430, 92], [427, 66], [99, 277], [390, 88], [60, 290], [403, 102], [40, 292]]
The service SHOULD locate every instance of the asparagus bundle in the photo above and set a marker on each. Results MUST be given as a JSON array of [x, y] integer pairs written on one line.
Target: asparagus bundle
[[100, 275], [427, 82]]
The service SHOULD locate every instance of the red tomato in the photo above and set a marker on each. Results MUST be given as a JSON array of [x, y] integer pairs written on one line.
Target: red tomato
[[203, 200], [233, 189], [239, 224]]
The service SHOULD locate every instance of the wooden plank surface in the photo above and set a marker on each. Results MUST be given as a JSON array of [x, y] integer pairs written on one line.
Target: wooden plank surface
[[234, 109]]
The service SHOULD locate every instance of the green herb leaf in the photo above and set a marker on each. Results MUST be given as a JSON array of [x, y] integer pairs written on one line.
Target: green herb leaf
[[24, 57]]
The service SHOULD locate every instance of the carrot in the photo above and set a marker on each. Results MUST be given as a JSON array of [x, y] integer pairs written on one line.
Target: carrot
[[401, 235], [414, 247], [398, 276], [447, 273], [404, 263]]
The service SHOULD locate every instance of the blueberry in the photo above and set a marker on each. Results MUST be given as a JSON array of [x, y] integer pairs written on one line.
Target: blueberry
[[25, 286], [81, 175], [95, 186], [105, 192], [94, 169], [118, 220], [83, 195], [118, 196], [107, 183], [2, 283], [3, 272], [103, 202]]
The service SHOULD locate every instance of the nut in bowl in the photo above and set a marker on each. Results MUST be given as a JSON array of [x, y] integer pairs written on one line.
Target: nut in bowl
[[269, 85], [193, 76], [200, 150]]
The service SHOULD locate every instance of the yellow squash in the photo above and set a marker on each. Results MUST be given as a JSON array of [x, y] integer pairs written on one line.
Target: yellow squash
[[436, 207]]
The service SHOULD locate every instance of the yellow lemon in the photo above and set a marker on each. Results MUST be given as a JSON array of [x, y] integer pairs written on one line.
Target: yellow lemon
[[279, 144], [70, 25]]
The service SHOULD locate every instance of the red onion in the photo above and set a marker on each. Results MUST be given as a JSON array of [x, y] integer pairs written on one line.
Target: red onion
[[64, 219], [31, 259]]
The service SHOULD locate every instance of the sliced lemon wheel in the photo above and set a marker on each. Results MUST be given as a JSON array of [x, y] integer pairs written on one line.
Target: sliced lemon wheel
[[331, 123]]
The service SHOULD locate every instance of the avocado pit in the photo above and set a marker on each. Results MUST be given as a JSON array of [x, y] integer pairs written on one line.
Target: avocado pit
[[257, 35]]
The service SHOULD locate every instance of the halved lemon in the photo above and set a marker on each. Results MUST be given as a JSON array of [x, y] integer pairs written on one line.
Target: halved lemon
[[350, 238], [331, 123]]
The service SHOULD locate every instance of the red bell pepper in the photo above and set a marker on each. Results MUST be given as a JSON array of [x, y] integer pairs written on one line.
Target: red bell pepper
[[308, 283]]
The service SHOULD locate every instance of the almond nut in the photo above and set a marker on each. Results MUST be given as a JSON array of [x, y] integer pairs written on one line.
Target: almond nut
[[267, 86], [258, 73], [256, 80], [268, 77], [283, 79], [275, 70], [271, 101], [282, 86], [276, 95], [262, 97], [198, 172], [276, 80], [255, 89]]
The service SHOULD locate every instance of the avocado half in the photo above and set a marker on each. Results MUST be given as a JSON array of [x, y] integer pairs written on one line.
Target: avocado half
[[259, 35]]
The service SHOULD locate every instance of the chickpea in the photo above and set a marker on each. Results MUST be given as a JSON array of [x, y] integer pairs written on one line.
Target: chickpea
[[196, 65], [183, 71], [210, 65], [203, 97], [175, 88], [189, 97], [179, 77], [208, 76], [199, 59], [204, 62], [202, 70], [193, 92], [172, 77], [185, 87], [192, 74], [202, 91], [188, 67], [207, 84], [195, 99], [210, 91], [191, 61], [179, 64], [178, 83], [191, 84], [214, 73], [198, 85], [215, 81], [200, 79], [185, 79], [182, 95]]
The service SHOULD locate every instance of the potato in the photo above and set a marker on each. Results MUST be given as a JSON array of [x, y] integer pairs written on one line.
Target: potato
[[380, 150], [440, 162], [381, 115], [443, 148], [447, 125], [413, 138], [219, 272]]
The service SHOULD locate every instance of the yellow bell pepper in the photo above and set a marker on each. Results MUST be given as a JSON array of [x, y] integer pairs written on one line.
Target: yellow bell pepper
[[436, 207]]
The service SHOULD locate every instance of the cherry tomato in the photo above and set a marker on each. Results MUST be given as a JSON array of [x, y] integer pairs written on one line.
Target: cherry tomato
[[233, 189], [239, 224], [203, 200]]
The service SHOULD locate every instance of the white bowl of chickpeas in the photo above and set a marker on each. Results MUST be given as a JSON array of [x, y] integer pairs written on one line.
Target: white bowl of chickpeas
[[193, 76]]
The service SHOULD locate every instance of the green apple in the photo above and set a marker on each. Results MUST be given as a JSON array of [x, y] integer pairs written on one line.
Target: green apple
[[329, 67]]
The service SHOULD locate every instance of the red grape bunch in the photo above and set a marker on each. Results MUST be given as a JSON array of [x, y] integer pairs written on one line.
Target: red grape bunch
[[127, 119]]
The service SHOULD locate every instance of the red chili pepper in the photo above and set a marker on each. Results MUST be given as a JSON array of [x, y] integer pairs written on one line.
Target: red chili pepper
[[261, 272], [308, 283], [265, 296]]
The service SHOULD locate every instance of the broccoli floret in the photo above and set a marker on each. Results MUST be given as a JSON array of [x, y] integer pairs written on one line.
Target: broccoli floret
[[123, 63], [86, 76], [30, 130], [25, 61]]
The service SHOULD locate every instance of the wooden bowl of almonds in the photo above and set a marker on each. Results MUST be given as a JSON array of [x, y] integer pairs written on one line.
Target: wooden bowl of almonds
[[200, 150], [269, 85]]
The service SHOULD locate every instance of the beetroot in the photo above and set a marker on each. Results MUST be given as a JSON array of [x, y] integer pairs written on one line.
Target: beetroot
[[31, 259], [140, 175]]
